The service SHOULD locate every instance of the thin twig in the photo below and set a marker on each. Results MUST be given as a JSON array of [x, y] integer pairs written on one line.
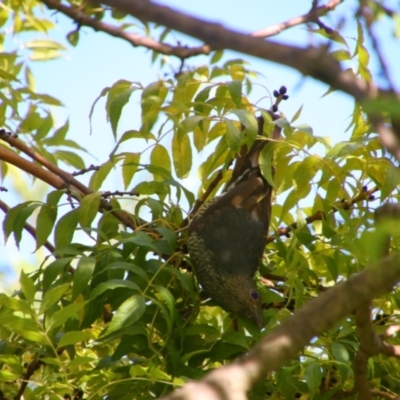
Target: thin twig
[[312, 16]]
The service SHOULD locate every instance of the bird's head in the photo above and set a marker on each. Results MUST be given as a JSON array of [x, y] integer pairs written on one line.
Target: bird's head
[[240, 296]]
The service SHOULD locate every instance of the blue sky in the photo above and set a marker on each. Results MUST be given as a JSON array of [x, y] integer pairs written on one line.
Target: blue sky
[[100, 60]]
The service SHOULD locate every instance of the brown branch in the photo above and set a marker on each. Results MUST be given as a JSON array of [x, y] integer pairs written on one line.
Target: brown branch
[[369, 346], [318, 315], [367, 15], [31, 369], [386, 395], [135, 40], [65, 176], [312, 16], [57, 178], [31, 168]]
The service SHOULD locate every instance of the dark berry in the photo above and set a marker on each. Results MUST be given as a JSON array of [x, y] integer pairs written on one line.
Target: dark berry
[[285, 97], [282, 90], [274, 108], [365, 188], [371, 197], [276, 93]]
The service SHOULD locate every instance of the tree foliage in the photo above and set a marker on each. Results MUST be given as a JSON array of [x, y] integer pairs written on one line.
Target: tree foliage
[[114, 310]]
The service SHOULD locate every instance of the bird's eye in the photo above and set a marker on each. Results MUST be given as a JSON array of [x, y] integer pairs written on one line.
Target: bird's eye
[[254, 294]]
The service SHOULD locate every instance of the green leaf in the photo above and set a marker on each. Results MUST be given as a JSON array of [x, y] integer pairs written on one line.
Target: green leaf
[[113, 284], [235, 338], [200, 134], [249, 121], [45, 223], [54, 269], [160, 158], [217, 55], [233, 136], [27, 286], [169, 235], [153, 97], [73, 337], [235, 90], [313, 376], [169, 300], [297, 114], [66, 228], [265, 160], [73, 37], [16, 218], [7, 76], [44, 44], [237, 73], [127, 266], [70, 158], [130, 311], [341, 55], [60, 317], [16, 304], [154, 187], [98, 177], [53, 296], [116, 105], [190, 123], [54, 197], [129, 167], [182, 153], [340, 352], [26, 328], [83, 273], [89, 208]]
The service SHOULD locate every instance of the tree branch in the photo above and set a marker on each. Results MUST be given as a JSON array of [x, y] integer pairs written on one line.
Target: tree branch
[[55, 177], [312, 16], [315, 62], [235, 380], [135, 40]]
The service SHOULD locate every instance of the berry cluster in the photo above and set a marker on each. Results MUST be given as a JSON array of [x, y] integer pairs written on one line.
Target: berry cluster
[[279, 95]]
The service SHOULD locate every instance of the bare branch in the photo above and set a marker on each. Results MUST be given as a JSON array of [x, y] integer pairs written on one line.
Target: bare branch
[[311, 16]]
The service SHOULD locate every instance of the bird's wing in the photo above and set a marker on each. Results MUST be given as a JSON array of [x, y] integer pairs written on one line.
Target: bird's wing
[[253, 194]]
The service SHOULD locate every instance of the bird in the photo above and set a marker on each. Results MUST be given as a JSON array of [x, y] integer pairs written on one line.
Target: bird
[[227, 236]]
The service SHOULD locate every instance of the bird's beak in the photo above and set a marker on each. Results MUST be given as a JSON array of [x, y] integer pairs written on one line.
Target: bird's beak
[[257, 317]]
